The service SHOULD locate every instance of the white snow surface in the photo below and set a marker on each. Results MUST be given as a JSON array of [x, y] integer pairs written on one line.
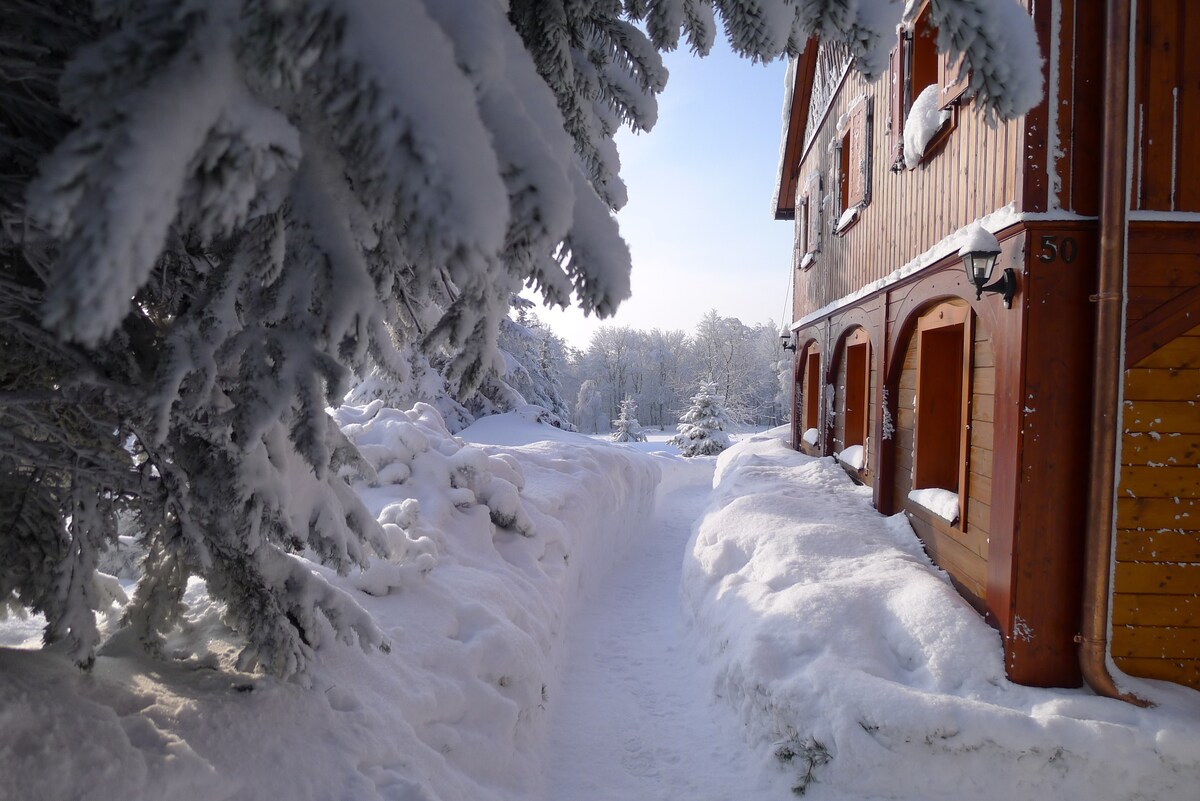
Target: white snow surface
[[546, 656], [979, 239], [941, 502], [853, 457], [827, 623], [924, 120]]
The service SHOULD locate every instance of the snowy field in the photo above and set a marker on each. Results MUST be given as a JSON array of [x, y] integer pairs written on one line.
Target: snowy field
[[574, 620]]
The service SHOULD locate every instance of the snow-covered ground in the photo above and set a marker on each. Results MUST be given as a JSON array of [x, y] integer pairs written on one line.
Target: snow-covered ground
[[575, 620]]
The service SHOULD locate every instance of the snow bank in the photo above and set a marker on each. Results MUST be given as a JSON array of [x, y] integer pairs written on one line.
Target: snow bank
[[853, 660], [491, 546]]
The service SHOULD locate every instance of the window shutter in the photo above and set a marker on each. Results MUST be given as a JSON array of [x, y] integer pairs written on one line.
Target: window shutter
[[801, 228], [952, 87], [859, 185], [896, 104], [812, 207]]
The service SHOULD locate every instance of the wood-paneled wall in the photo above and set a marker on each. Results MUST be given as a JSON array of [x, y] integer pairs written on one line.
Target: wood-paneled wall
[[974, 172], [1166, 174], [1156, 601], [961, 550]]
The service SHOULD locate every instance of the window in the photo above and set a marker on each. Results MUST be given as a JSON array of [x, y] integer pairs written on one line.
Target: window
[[801, 249], [854, 165], [858, 382], [917, 66], [943, 363]]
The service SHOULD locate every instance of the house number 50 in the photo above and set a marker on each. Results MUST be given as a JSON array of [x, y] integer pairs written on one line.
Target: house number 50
[[1054, 247]]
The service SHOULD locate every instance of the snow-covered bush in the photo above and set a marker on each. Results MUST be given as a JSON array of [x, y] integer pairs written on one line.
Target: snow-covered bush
[[626, 427], [702, 430]]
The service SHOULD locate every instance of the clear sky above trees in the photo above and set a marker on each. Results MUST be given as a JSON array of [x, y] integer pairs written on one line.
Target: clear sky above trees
[[698, 217]]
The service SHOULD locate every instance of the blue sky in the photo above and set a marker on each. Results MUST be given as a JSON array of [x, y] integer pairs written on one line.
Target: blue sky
[[698, 220]]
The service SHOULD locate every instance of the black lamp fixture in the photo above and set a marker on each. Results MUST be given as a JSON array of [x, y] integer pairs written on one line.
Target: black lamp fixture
[[785, 339], [979, 254]]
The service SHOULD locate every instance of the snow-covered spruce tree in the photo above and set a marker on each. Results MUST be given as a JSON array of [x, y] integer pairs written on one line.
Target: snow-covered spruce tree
[[211, 214], [626, 427], [702, 426]]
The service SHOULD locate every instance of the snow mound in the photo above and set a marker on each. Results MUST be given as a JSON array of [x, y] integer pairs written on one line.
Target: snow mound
[[942, 503], [850, 657], [854, 457], [924, 120], [491, 546]]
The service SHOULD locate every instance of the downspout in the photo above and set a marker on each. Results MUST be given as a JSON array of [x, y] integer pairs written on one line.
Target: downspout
[[1107, 368]]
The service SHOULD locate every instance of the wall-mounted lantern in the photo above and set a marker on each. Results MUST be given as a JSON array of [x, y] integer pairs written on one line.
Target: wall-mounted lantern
[[979, 254], [785, 339]]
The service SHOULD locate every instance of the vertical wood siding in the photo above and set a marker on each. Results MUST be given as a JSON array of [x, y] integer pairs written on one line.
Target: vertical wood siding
[[1156, 602], [1166, 90], [974, 172]]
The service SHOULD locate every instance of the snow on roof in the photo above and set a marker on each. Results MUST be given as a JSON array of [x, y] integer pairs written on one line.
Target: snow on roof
[[789, 89]]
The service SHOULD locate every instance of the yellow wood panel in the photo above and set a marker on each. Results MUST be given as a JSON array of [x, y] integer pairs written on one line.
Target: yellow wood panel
[[1159, 482], [1176, 417], [1160, 642], [1141, 447], [1180, 671], [1159, 546], [1162, 384], [1134, 609], [1156, 513], [1158, 578]]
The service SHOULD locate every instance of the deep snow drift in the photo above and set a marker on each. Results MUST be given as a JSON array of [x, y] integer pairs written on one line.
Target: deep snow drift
[[851, 656], [474, 612], [539, 651]]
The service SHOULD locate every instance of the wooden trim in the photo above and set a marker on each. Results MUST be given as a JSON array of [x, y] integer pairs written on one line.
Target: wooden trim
[[1168, 321], [794, 137], [966, 426], [952, 88]]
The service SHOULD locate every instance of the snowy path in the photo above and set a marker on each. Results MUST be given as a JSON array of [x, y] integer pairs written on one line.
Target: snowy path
[[636, 719]]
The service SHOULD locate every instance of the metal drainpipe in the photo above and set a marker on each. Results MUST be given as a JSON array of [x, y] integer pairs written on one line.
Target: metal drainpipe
[[1110, 322]]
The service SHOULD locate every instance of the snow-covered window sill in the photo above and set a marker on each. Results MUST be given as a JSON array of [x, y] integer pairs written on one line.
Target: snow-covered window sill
[[808, 260], [810, 437], [854, 457], [847, 220], [942, 503], [926, 128]]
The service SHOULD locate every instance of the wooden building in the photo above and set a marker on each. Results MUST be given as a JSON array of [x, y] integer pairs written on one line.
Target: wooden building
[[1046, 454]]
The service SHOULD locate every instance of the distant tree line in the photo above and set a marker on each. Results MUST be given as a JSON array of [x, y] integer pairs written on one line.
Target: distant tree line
[[659, 370]]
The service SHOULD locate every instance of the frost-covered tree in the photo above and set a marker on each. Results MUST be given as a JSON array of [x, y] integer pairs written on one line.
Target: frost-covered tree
[[702, 426], [626, 427], [213, 214], [533, 361], [589, 409]]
